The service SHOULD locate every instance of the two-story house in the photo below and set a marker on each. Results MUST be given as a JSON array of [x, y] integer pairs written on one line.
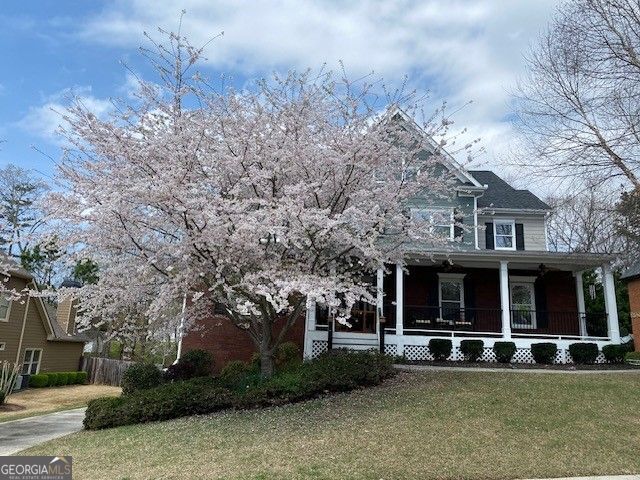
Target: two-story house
[[496, 280]]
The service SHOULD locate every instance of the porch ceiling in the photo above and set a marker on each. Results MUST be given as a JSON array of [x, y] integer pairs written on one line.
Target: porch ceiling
[[524, 260]]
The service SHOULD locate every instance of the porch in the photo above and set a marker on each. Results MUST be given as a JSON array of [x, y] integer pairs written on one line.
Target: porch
[[524, 300]]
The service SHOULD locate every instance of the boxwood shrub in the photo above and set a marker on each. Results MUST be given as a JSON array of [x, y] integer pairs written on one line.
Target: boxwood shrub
[[583, 353], [331, 372], [140, 376], [81, 378], [504, 351], [53, 379], [440, 348], [472, 349], [193, 364], [39, 380], [544, 353]]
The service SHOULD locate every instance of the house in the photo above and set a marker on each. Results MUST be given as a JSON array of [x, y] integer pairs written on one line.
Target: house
[[632, 277], [496, 280], [35, 334]]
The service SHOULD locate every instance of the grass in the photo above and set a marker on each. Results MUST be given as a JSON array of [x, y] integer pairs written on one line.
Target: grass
[[417, 425], [38, 401]]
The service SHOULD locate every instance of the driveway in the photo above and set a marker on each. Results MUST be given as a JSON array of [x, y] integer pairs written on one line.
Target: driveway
[[17, 435]]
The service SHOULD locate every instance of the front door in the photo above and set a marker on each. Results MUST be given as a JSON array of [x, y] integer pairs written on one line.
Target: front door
[[362, 320], [523, 315]]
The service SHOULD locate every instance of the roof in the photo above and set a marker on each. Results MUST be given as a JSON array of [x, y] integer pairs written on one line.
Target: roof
[[632, 272], [500, 194], [15, 268], [58, 332]]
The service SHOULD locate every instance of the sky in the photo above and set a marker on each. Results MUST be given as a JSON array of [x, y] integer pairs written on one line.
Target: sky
[[459, 50]]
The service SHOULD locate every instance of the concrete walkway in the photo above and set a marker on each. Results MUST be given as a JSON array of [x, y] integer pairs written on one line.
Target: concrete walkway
[[605, 477], [16, 435], [438, 368]]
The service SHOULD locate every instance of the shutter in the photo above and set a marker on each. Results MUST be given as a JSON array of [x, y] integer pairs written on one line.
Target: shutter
[[469, 299], [542, 316], [488, 234], [458, 231], [519, 236]]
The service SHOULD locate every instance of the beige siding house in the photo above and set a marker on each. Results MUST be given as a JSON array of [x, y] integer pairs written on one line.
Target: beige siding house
[[35, 335]]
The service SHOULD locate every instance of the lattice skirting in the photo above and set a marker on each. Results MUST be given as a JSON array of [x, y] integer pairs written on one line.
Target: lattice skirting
[[318, 347], [391, 350]]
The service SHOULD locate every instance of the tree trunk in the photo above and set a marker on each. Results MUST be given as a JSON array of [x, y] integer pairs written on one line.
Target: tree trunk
[[266, 364]]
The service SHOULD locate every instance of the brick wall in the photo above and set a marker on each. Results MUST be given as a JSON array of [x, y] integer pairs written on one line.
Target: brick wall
[[634, 308], [226, 342]]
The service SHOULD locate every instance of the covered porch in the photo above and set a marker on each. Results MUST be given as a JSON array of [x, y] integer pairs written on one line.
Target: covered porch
[[525, 297]]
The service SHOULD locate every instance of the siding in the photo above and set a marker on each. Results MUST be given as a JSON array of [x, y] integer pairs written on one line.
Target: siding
[[56, 355], [534, 235]]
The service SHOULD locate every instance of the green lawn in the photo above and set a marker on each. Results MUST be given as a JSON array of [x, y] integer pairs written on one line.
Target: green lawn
[[417, 425]]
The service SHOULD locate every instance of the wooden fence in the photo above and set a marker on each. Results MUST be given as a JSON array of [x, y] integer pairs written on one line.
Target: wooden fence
[[105, 371]]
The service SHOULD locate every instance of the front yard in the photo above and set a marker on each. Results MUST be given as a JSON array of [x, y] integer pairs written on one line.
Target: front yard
[[417, 425], [38, 401]]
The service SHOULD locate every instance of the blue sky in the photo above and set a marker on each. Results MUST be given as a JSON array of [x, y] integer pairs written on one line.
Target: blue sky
[[460, 50]]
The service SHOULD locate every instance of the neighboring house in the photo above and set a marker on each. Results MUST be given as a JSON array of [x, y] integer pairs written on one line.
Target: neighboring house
[[495, 281], [632, 277], [35, 334]]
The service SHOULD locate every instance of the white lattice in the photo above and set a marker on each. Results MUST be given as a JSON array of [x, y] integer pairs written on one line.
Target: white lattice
[[488, 355], [318, 347], [601, 358], [390, 350], [456, 355], [417, 352], [523, 355], [561, 357]]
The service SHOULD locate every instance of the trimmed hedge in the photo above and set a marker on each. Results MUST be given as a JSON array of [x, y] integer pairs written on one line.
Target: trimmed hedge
[[193, 364], [544, 353], [584, 353], [140, 376], [38, 381], [504, 351], [55, 379], [440, 348], [472, 349], [616, 353], [331, 372]]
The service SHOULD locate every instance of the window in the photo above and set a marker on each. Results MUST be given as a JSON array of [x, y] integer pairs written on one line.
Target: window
[[504, 234], [31, 363], [2, 346], [5, 309], [451, 297], [440, 220], [523, 303]]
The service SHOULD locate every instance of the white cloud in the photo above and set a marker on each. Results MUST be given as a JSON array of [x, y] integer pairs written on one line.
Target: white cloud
[[45, 120], [460, 50]]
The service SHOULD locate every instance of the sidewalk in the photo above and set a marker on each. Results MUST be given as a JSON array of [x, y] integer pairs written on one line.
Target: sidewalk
[[16, 435]]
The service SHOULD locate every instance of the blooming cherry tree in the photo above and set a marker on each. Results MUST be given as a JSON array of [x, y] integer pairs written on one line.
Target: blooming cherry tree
[[255, 201]]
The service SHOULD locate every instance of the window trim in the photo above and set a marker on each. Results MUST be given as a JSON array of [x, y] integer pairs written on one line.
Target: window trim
[[24, 360], [505, 221], [8, 316], [450, 211]]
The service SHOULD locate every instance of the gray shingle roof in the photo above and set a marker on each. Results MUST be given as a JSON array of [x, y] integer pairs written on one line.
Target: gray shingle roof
[[632, 272], [500, 194]]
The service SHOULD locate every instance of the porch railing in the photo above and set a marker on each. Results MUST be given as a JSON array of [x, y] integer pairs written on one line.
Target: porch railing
[[420, 320]]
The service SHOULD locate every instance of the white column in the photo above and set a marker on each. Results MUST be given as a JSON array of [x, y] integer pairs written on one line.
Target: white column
[[504, 299], [379, 293], [610, 304], [399, 307], [311, 314], [581, 309]]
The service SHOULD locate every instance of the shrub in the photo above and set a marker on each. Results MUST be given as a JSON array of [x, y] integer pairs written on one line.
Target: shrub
[[54, 379], [64, 378], [544, 353], [39, 380], [72, 378], [583, 352], [440, 348], [331, 372], [235, 372], [615, 353], [140, 376], [81, 378], [288, 353], [193, 364], [633, 358], [472, 349], [504, 351]]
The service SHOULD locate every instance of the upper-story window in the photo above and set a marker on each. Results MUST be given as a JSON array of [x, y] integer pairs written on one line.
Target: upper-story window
[[504, 234], [440, 220], [5, 308]]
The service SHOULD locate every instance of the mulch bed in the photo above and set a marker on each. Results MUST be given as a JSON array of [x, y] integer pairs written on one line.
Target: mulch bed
[[526, 366], [11, 407]]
